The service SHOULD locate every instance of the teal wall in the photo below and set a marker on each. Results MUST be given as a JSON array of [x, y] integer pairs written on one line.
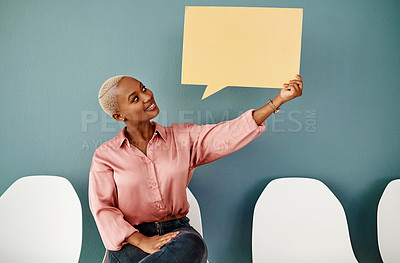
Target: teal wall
[[344, 130]]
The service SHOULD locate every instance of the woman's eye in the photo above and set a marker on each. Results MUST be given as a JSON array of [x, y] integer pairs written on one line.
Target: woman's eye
[[136, 97]]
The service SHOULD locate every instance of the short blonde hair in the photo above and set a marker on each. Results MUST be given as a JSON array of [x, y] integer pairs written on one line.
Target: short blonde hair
[[107, 97]]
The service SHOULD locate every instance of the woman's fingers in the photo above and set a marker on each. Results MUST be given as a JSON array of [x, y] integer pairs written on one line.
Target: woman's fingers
[[293, 88], [288, 87], [161, 242], [298, 82], [297, 89], [166, 238], [173, 234], [164, 241]]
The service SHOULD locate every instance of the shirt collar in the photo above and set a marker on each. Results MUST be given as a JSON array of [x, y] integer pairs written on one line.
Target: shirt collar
[[160, 130]]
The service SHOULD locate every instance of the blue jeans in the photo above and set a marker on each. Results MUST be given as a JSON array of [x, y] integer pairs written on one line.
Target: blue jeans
[[187, 247]]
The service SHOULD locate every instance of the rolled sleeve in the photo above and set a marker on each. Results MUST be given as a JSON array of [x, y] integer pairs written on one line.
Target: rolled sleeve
[[210, 142], [113, 228]]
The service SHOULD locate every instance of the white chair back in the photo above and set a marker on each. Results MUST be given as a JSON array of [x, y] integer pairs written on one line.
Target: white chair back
[[194, 212], [300, 220], [388, 221], [41, 221], [194, 216]]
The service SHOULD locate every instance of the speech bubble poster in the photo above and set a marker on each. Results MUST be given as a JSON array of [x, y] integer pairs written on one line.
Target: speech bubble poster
[[240, 46]]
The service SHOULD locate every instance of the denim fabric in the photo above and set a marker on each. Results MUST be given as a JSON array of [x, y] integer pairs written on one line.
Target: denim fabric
[[187, 247]]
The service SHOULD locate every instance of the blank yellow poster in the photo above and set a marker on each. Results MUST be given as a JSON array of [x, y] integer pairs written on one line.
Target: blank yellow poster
[[240, 46]]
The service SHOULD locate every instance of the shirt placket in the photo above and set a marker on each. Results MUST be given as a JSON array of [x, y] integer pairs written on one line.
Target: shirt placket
[[153, 183]]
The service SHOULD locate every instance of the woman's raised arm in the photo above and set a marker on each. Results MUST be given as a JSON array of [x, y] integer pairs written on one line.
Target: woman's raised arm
[[210, 142]]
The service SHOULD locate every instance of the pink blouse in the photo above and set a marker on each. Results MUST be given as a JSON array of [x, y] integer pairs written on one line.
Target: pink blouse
[[127, 188]]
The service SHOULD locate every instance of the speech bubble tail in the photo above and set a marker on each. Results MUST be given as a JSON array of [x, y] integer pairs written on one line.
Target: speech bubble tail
[[211, 89]]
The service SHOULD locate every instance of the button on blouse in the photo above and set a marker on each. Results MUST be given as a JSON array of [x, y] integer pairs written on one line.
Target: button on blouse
[[128, 187]]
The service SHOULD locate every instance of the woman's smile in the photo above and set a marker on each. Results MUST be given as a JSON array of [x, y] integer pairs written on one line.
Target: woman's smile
[[151, 107]]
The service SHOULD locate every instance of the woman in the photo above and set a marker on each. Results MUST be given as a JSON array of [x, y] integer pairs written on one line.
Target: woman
[[138, 179]]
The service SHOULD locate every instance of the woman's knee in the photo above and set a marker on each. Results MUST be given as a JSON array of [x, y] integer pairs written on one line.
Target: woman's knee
[[194, 243]]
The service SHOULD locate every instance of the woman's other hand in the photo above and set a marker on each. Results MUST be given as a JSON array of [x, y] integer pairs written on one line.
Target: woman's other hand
[[155, 243], [292, 89]]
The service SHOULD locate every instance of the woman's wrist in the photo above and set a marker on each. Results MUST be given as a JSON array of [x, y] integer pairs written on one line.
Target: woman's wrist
[[278, 101], [135, 239]]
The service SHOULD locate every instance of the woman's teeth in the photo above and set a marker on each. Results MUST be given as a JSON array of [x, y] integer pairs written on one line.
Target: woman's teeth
[[151, 107]]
